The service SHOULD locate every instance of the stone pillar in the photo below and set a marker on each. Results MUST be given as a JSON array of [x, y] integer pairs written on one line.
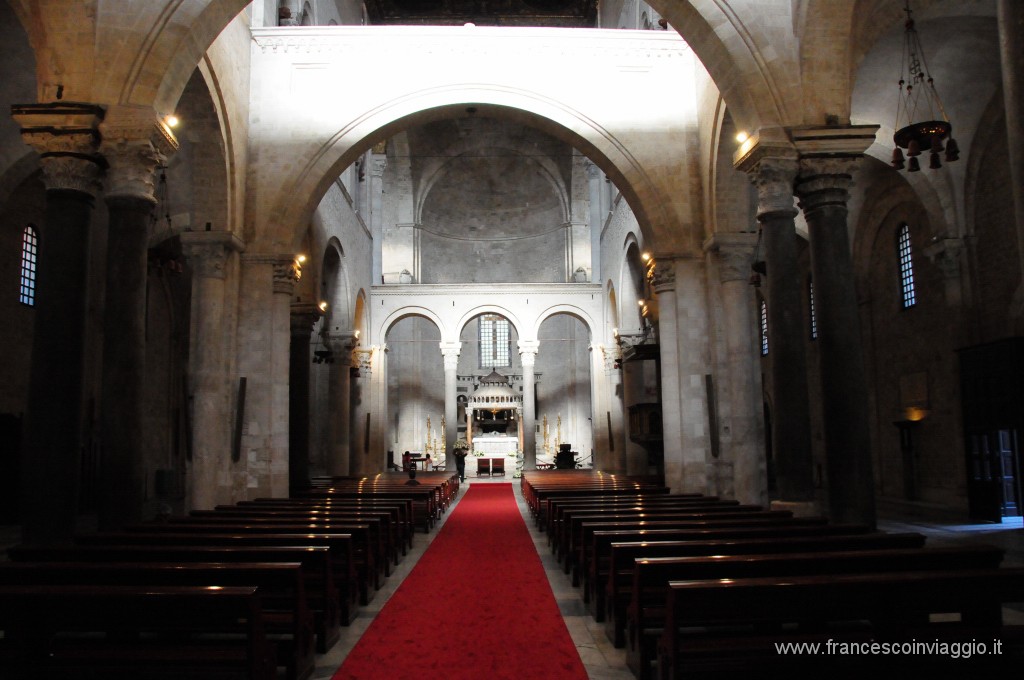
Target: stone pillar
[[65, 136], [339, 394], [741, 432], [1011, 50], [822, 189], [450, 351], [208, 253], [613, 417], [135, 142], [286, 275], [693, 331], [664, 284], [378, 163], [595, 180], [304, 317], [370, 392], [599, 392], [528, 355], [634, 391], [773, 171]]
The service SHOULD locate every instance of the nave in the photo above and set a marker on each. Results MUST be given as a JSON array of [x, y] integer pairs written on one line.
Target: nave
[[600, 657]]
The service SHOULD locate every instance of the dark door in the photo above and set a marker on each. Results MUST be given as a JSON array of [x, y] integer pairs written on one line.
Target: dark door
[[984, 493], [1008, 473]]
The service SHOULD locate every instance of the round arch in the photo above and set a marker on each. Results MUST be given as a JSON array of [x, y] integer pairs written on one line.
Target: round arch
[[470, 314], [571, 310], [399, 314]]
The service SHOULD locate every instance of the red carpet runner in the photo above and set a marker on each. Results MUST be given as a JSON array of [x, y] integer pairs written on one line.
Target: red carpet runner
[[477, 605]]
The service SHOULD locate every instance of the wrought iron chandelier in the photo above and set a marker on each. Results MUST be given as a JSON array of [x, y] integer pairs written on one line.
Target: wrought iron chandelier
[[921, 121]]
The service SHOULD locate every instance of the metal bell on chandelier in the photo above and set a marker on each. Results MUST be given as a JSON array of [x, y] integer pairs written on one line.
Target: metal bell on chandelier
[[921, 121]]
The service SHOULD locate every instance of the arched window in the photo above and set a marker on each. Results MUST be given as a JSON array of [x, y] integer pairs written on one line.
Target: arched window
[[764, 328], [903, 251], [493, 341], [811, 311], [29, 258]]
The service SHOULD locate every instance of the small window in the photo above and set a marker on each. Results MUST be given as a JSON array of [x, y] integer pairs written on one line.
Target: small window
[[764, 329], [904, 252], [29, 258], [813, 315], [493, 341]]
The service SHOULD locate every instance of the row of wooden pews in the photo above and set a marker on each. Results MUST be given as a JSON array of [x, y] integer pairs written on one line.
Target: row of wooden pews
[[251, 591], [699, 586]]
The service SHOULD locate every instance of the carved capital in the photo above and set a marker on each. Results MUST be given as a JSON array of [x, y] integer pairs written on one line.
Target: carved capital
[[773, 178], [286, 275], [208, 251], [135, 142], [734, 252], [304, 317], [664, 278], [363, 360], [450, 351], [825, 181], [945, 254], [340, 342], [528, 352], [612, 355], [66, 137]]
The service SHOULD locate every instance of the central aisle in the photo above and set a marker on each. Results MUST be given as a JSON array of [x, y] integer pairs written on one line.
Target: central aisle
[[477, 605]]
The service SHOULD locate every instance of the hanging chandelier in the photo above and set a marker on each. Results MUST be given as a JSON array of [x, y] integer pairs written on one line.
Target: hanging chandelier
[[921, 121]]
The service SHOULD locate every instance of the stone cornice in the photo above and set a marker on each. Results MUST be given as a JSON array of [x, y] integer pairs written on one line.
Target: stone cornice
[[66, 137], [415, 289], [832, 140], [477, 42]]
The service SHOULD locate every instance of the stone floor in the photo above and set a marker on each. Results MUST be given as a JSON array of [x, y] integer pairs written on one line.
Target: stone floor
[[601, 659]]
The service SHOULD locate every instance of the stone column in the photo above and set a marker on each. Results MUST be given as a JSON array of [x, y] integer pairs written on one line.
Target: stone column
[[633, 387], [304, 316], [595, 181], [822, 189], [773, 171], [450, 351], [1011, 50], [528, 355], [135, 142], [740, 414], [208, 254], [614, 414], [664, 284], [339, 394], [65, 136], [599, 408]]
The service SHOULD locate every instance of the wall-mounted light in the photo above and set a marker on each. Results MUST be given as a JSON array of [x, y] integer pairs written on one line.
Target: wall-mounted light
[[172, 120], [645, 257], [323, 305], [301, 259], [742, 137]]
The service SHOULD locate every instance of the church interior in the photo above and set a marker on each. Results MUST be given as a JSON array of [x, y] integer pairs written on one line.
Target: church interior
[[760, 250]]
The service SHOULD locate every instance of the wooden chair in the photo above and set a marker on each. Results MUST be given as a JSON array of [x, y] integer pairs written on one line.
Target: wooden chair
[[483, 467], [497, 467]]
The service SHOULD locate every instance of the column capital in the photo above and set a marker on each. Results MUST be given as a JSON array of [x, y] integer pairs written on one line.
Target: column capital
[[208, 251], [825, 181], [664, 279], [528, 352], [304, 316], [286, 270], [378, 164], [450, 351], [135, 141], [66, 137], [945, 254], [734, 252], [769, 159], [340, 342], [612, 356], [362, 358]]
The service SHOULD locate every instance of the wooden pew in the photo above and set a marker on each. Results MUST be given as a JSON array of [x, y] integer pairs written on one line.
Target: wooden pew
[[146, 632], [288, 621], [578, 558], [891, 606], [645, 615], [401, 510], [330, 608], [613, 580], [599, 541], [558, 506], [425, 507], [348, 575]]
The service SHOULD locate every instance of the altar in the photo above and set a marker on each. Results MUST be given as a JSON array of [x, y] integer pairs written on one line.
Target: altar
[[494, 445]]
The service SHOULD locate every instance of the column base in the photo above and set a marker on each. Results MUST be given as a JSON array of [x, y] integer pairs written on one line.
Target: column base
[[798, 508]]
